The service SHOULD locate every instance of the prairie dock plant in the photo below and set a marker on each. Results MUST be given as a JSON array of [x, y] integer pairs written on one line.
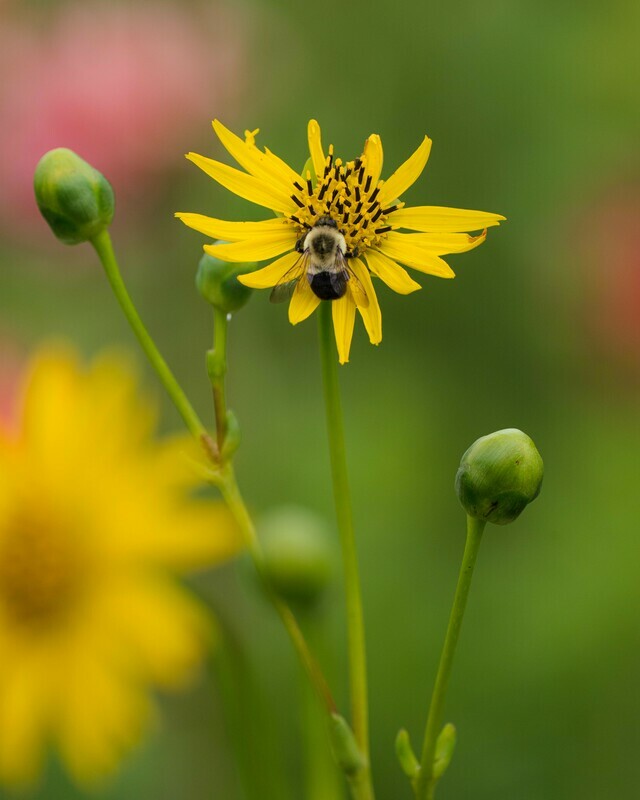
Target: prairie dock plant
[[348, 198], [91, 616], [338, 226]]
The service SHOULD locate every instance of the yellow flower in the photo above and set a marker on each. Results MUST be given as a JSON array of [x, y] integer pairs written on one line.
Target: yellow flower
[[365, 210], [95, 527]]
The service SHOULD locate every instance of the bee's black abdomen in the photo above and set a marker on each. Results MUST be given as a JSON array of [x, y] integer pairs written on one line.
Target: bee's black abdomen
[[328, 286]]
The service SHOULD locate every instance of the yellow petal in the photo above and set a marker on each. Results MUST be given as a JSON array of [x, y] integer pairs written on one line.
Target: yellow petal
[[255, 162], [440, 219], [439, 244], [258, 249], [371, 314], [250, 188], [406, 174], [23, 718], [161, 630], [101, 715], [374, 157], [303, 303], [292, 175], [270, 275], [344, 317], [232, 231], [315, 148], [391, 273], [416, 257]]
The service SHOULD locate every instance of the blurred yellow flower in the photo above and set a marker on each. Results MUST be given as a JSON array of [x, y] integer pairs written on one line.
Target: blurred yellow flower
[[96, 524], [359, 215]]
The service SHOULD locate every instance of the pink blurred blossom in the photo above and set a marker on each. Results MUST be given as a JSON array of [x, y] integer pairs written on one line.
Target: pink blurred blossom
[[612, 253], [123, 85]]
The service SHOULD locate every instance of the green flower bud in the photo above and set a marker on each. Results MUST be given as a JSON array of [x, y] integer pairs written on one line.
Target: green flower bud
[[408, 761], [344, 746], [297, 553], [499, 475], [74, 198], [217, 281]]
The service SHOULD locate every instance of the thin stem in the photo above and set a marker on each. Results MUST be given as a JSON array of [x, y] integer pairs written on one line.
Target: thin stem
[[217, 369], [224, 475], [104, 249], [323, 779], [226, 480], [355, 622], [425, 784]]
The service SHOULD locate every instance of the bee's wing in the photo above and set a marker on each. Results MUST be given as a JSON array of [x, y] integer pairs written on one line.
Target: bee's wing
[[355, 284], [283, 290]]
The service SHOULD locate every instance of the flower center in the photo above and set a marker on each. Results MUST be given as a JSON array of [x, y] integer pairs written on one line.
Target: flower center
[[346, 193], [39, 570]]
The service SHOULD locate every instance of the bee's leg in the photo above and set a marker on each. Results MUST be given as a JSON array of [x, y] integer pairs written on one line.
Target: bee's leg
[[300, 243]]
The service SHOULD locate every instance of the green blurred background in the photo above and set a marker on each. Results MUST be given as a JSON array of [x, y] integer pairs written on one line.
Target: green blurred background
[[533, 110]]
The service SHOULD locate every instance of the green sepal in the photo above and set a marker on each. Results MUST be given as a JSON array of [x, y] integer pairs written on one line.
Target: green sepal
[[232, 436], [445, 746], [499, 475], [298, 558], [75, 199], [344, 745], [407, 758], [217, 282]]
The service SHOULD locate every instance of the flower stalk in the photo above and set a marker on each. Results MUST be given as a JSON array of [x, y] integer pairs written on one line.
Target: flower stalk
[[355, 621], [217, 370], [427, 776], [222, 475]]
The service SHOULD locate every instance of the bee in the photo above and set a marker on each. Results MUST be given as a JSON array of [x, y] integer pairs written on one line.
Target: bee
[[323, 263]]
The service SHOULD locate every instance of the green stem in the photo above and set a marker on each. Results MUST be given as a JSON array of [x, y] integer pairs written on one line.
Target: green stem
[[217, 369], [323, 779], [425, 783], [224, 475], [228, 485], [104, 248], [355, 622]]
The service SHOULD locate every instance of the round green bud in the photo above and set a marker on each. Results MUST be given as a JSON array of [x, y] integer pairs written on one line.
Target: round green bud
[[297, 553], [217, 281], [499, 475], [75, 199]]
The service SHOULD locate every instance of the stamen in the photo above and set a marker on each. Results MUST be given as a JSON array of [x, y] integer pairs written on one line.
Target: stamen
[[357, 193], [367, 185], [377, 215], [298, 186], [309, 184], [391, 209], [383, 230], [312, 209], [297, 201], [374, 194]]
